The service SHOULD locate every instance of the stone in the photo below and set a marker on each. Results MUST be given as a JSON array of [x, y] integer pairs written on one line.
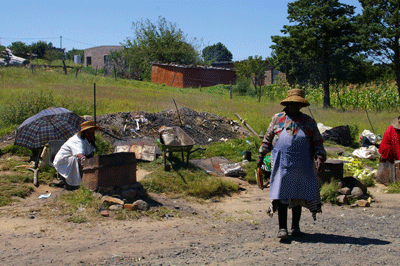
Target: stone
[[104, 213], [137, 185], [362, 203], [128, 194], [141, 205], [345, 191], [342, 199], [111, 200], [116, 207], [357, 193], [97, 195], [130, 207]]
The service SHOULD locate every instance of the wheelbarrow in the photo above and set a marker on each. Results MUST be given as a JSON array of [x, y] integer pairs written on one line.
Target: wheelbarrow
[[174, 139]]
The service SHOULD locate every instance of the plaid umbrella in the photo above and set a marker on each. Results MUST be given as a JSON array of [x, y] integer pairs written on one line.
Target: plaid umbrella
[[55, 123]]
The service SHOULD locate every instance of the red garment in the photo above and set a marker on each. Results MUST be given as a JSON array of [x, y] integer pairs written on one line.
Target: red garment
[[390, 145]]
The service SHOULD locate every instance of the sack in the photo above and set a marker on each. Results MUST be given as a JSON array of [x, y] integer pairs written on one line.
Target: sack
[[233, 169]]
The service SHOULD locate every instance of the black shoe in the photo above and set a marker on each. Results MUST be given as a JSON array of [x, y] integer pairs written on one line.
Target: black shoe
[[296, 232], [282, 234]]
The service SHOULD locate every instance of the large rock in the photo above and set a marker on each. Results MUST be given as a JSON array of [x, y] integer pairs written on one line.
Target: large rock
[[357, 193], [111, 200], [342, 199], [345, 191]]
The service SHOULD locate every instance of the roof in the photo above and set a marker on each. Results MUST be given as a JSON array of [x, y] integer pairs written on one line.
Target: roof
[[192, 66]]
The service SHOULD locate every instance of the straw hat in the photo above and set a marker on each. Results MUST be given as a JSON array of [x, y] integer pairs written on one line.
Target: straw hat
[[295, 96], [89, 124], [396, 122]]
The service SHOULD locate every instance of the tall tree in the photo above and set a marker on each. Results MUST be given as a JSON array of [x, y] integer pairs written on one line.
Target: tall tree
[[379, 26], [163, 42], [216, 52], [254, 69], [320, 39]]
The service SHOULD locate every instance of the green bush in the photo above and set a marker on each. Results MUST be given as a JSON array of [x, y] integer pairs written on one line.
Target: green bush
[[243, 86], [329, 192], [103, 147]]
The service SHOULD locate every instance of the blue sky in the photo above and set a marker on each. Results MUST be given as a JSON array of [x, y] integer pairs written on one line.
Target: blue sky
[[245, 27]]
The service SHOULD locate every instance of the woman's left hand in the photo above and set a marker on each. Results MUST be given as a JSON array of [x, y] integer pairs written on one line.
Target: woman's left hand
[[319, 163]]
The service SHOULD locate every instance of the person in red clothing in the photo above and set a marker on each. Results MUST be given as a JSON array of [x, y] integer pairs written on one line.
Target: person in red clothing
[[390, 145], [390, 153]]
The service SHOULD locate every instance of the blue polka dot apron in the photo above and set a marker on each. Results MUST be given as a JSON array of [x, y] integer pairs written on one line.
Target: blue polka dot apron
[[292, 174]]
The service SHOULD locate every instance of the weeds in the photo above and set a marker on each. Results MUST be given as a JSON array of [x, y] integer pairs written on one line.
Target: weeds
[[12, 186], [393, 188], [329, 192]]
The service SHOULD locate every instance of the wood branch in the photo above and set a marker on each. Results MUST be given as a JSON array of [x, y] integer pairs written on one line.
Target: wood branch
[[245, 123]]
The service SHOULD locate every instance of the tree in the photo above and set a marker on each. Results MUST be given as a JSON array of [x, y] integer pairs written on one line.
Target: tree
[[71, 53], [379, 26], [216, 52], [163, 42], [39, 48], [52, 55], [254, 69], [321, 41], [19, 49]]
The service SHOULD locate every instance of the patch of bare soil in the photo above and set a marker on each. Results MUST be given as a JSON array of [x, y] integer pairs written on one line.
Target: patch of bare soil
[[234, 230]]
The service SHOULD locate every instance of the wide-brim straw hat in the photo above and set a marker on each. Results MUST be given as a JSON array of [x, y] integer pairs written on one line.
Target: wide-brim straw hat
[[295, 96], [89, 124], [396, 122]]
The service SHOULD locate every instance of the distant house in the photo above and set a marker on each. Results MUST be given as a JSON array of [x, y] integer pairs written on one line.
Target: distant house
[[180, 76], [96, 57]]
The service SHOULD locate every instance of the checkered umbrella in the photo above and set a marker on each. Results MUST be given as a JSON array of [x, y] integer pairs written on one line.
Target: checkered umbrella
[[55, 123]]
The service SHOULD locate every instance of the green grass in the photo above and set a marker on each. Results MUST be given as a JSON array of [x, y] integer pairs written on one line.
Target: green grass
[[329, 192], [23, 90], [393, 188], [14, 186]]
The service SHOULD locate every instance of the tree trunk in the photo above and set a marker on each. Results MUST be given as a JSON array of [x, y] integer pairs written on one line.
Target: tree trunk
[[326, 78], [397, 65]]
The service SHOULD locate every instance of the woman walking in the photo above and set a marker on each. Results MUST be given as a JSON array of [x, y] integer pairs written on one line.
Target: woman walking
[[295, 142]]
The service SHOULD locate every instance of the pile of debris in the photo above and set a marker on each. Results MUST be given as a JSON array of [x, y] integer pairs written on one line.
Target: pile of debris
[[202, 127]]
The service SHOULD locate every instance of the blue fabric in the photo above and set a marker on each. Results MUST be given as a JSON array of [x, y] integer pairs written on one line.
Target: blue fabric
[[293, 175]]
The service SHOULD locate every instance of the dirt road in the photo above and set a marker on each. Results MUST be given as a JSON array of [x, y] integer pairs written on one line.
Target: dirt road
[[232, 231]]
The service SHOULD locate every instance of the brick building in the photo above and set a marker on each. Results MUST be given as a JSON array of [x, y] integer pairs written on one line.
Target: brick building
[[190, 76], [97, 56], [273, 76]]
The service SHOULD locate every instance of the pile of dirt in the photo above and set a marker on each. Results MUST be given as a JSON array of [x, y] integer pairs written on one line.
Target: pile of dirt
[[202, 127]]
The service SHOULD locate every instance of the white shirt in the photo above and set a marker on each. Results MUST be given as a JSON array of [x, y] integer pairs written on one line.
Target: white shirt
[[66, 161]]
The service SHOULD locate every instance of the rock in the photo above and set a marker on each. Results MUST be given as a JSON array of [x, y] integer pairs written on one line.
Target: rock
[[116, 207], [111, 200], [97, 195], [129, 193], [357, 193], [137, 185], [345, 191], [342, 199], [141, 205], [362, 203], [104, 213], [130, 207]]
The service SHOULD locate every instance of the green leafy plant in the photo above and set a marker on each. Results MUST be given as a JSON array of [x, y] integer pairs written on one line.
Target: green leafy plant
[[329, 192], [393, 188]]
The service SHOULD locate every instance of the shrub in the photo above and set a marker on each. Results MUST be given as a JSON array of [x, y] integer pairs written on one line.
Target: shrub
[[329, 192]]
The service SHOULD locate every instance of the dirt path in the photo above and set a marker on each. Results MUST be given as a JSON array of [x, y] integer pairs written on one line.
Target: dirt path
[[232, 231]]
